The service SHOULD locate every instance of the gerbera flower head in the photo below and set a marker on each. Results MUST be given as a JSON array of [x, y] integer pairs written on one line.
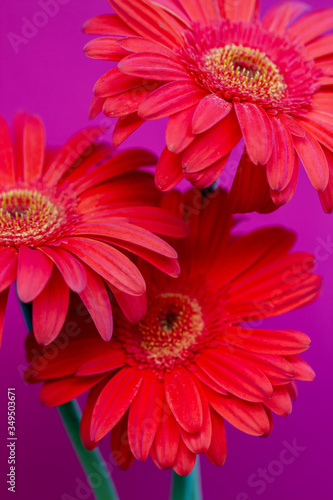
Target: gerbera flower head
[[220, 75], [165, 385], [68, 221]]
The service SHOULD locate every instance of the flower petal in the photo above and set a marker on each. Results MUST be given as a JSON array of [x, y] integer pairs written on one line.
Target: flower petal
[[96, 299], [8, 267], [170, 99], [217, 452], [212, 145], [210, 110], [153, 66], [73, 272], [314, 160], [120, 447], [34, 271], [245, 416], [3, 306], [178, 131], [111, 264], [114, 400], [7, 167], [33, 148], [166, 441], [185, 460], [280, 166], [168, 171], [144, 415], [49, 309], [184, 399], [255, 123]]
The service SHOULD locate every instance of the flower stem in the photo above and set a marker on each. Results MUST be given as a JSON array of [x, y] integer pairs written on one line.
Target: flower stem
[[187, 487], [91, 461]]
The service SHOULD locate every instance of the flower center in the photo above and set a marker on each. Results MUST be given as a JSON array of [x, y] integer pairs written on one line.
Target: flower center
[[169, 332], [31, 217], [244, 72]]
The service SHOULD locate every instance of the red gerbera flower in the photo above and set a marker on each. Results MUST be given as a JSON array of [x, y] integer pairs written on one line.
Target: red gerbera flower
[[65, 219], [220, 74], [165, 385]]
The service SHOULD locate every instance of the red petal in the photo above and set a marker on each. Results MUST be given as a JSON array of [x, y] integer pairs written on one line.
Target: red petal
[[239, 377], [278, 18], [320, 47], [212, 145], [134, 308], [7, 168], [111, 359], [125, 126], [280, 403], [3, 306], [250, 190], [326, 196], [287, 193], [209, 111], [242, 11], [73, 272], [167, 439], [255, 123], [111, 264], [267, 341], [120, 448], [152, 66], [217, 452], [302, 369], [8, 267], [34, 271], [124, 232], [139, 45], [96, 300], [86, 417], [247, 417], [106, 24], [178, 131], [60, 391], [114, 82], [148, 21], [280, 167], [144, 415], [126, 102], [75, 147], [185, 460], [184, 399], [33, 148], [170, 99], [114, 400], [95, 107], [49, 309], [105, 48], [168, 171], [199, 442], [313, 24], [314, 160]]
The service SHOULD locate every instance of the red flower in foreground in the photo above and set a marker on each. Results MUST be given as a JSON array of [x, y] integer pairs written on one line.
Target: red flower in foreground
[[220, 74], [65, 219], [165, 385]]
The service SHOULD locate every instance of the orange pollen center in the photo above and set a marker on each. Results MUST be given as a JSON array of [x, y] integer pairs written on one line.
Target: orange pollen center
[[170, 330], [244, 71], [28, 217]]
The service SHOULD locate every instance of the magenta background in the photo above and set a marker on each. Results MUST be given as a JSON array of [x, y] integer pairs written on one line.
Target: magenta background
[[51, 76]]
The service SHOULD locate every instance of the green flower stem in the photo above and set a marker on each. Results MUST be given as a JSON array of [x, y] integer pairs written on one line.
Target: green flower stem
[[187, 487], [91, 461]]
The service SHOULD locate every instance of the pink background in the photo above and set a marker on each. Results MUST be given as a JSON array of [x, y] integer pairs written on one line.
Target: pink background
[[49, 75]]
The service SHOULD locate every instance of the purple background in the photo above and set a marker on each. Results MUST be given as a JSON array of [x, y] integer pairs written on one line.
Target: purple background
[[49, 75]]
